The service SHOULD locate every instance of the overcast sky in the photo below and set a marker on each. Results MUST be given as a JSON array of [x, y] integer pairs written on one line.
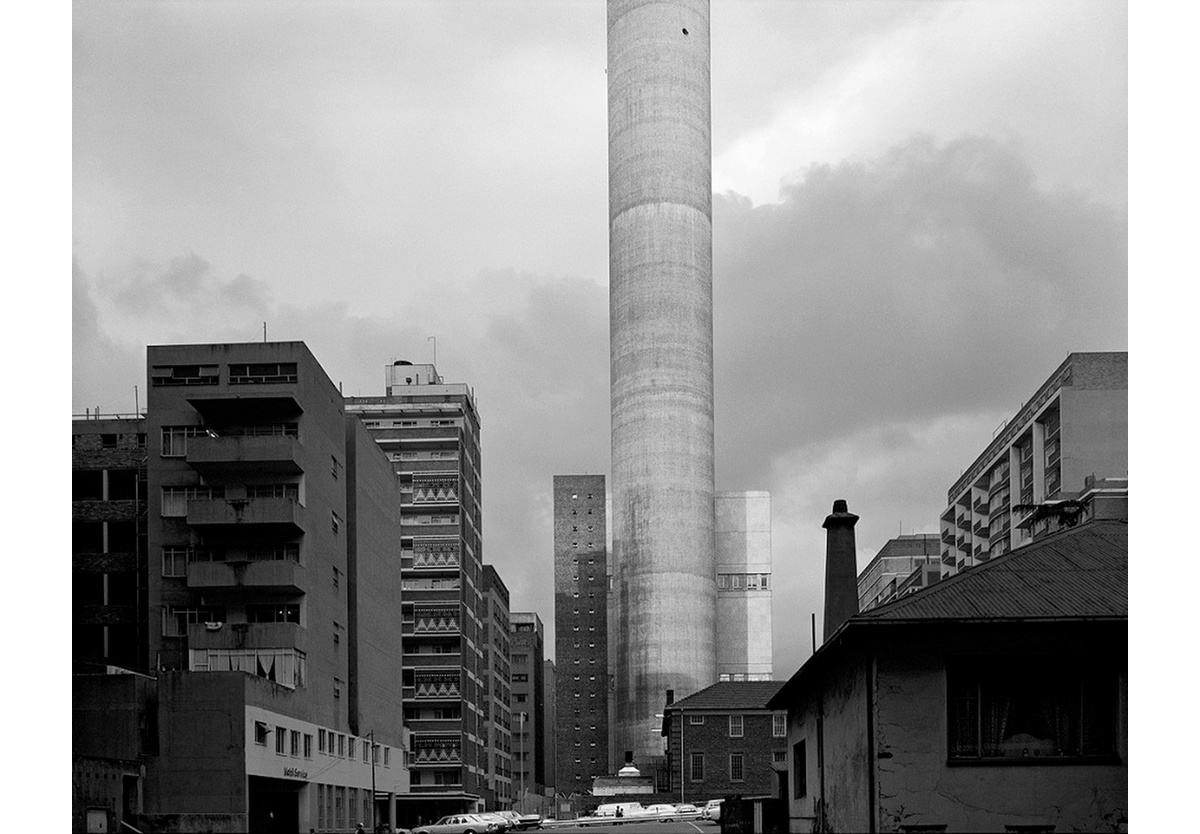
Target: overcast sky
[[920, 209]]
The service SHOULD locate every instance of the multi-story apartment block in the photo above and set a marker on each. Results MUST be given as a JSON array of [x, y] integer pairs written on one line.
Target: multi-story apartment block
[[497, 692], [896, 562], [743, 547], [529, 708], [1076, 425], [273, 597], [581, 631], [430, 432], [109, 561]]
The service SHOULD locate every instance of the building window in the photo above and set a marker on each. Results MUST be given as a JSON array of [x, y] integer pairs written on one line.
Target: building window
[[799, 770], [737, 767], [350, 747], [341, 748], [282, 613], [779, 725], [262, 372], [337, 690], [280, 740], [174, 439], [321, 741], [779, 756], [695, 719], [295, 739], [735, 726], [697, 767], [260, 733], [177, 619], [308, 745], [174, 561], [163, 375], [387, 756], [1031, 709]]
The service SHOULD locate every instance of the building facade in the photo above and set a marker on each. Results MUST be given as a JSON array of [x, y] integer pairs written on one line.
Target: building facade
[[429, 430], [272, 597], [895, 563], [743, 546], [724, 740], [497, 693], [529, 710], [108, 537], [995, 700], [581, 632], [1076, 425], [550, 743]]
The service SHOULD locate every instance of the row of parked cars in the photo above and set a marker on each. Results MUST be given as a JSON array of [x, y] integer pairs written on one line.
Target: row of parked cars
[[711, 810], [494, 822]]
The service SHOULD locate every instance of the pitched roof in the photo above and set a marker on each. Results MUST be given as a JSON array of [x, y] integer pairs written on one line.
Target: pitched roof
[[731, 695], [1078, 572]]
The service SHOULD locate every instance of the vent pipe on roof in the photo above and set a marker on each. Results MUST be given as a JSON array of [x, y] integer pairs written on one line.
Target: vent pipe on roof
[[841, 573]]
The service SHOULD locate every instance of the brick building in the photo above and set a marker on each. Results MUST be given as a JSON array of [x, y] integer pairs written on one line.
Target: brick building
[[581, 632], [724, 740], [109, 560]]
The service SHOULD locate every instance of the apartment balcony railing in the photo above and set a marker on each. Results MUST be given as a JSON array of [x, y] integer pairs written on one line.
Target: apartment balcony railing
[[242, 635], [435, 690], [236, 453], [280, 575], [437, 756], [285, 513]]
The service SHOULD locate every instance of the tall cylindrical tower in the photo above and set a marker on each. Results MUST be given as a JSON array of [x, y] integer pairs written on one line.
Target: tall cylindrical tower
[[660, 321]]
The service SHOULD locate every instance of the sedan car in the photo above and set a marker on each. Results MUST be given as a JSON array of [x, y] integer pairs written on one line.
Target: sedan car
[[460, 824], [712, 809]]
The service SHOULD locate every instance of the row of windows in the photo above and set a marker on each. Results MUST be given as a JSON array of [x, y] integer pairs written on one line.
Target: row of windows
[[743, 581], [737, 724], [177, 618], [737, 767], [240, 373], [333, 801]]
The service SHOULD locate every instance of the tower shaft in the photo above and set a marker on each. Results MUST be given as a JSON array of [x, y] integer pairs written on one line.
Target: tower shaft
[[660, 308]]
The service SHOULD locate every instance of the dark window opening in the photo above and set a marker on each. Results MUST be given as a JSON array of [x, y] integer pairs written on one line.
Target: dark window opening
[[122, 485], [122, 537], [799, 770], [87, 536], [1032, 709], [87, 485]]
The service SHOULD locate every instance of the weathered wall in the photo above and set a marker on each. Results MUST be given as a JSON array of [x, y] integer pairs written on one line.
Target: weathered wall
[[916, 786], [660, 309]]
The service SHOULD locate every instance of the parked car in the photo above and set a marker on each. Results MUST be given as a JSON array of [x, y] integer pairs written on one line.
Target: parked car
[[503, 823], [460, 824], [521, 822], [711, 809], [687, 811], [627, 809], [663, 812]]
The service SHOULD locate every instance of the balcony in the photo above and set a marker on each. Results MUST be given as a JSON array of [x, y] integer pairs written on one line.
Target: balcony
[[243, 636], [276, 575], [429, 660], [282, 514], [240, 453], [432, 691]]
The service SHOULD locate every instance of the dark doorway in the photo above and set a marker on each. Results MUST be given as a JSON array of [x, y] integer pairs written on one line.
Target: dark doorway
[[274, 805]]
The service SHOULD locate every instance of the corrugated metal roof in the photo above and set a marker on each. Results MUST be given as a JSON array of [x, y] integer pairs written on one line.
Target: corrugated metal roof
[[1079, 572], [731, 695]]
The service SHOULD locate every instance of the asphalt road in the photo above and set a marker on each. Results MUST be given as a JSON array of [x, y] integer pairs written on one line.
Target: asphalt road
[[647, 827]]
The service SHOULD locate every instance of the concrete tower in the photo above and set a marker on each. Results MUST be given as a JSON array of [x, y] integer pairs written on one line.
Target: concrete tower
[[660, 319]]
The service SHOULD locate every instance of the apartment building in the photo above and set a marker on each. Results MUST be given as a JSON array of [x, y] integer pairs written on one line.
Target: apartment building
[[497, 693], [901, 564], [529, 709], [743, 547], [1075, 426], [581, 587], [108, 527], [429, 431], [272, 601]]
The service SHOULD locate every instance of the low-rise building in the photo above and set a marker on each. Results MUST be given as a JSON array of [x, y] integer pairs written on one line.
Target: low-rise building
[[907, 560], [994, 700], [725, 740]]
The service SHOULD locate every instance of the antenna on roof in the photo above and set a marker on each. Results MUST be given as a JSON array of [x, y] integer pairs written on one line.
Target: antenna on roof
[[264, 331]]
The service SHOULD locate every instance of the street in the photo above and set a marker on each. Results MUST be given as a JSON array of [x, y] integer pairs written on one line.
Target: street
[[646, 827]]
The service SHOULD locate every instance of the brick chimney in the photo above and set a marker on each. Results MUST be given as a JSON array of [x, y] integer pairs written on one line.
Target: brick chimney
[[841, 568]]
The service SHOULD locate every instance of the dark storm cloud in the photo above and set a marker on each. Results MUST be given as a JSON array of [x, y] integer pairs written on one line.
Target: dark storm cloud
[[937, 279]]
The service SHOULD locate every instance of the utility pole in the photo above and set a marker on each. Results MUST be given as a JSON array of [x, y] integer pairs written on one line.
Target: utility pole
[[374, 825]]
